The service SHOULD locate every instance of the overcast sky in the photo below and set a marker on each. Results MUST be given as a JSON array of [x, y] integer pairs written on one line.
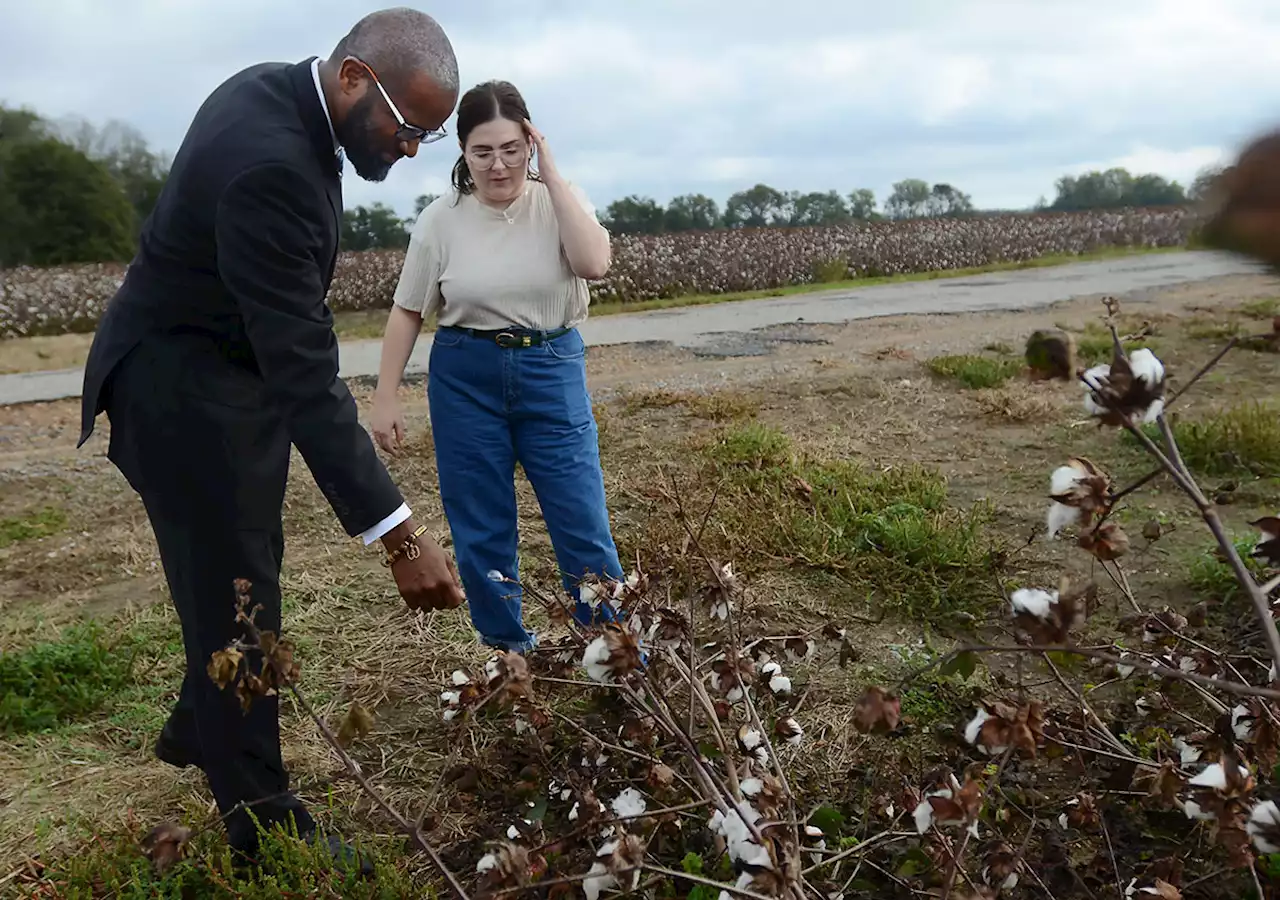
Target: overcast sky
[[664, 97]]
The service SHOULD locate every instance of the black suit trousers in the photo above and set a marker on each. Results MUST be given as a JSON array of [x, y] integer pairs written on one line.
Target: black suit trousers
[[198, 440]]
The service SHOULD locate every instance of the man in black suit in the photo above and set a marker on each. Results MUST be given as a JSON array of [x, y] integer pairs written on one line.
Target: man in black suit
[[218, 353]]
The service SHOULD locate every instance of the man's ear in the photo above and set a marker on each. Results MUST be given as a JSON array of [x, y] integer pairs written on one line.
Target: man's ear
[[351, 75]]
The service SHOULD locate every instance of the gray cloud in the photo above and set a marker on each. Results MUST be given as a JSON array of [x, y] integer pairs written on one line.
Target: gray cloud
[[998, 97]]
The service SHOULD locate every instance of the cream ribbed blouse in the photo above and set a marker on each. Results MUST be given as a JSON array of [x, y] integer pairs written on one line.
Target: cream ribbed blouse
[[478, 267]]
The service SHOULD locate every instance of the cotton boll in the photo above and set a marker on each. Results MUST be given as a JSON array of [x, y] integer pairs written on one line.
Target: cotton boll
[[596, 661], [629, 804], [1146, 367], [1033, 602]]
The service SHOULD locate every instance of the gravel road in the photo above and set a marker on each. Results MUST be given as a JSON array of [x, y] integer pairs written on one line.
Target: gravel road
[[750, 327]]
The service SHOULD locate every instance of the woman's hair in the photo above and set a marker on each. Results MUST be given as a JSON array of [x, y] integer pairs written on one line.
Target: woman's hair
[[484, 103]]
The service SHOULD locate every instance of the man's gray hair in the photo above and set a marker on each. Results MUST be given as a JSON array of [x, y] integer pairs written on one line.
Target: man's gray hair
[[398, 42]]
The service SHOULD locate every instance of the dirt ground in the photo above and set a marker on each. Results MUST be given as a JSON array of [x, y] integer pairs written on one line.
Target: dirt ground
[[856, 392]]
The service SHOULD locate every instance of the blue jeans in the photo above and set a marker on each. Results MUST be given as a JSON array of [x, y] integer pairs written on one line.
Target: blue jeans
[[492, 407]]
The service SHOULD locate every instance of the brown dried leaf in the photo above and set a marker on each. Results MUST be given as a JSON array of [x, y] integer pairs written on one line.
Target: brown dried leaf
[[165, 844], [661, 777], [969, 799], [278, 666], [356, 723], [1164, 891], [223, 666], [1166, 783], [1235, 840], [1107, 542], [878, 712], [1083, 813]]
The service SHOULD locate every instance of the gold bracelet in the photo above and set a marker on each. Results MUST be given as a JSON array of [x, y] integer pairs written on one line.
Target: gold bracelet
[[409, 549]]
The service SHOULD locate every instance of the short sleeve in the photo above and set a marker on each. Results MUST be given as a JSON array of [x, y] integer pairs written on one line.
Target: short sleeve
[[418, 289]]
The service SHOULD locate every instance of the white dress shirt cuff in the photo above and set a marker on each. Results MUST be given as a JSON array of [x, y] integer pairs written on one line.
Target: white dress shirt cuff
[[386, 524]]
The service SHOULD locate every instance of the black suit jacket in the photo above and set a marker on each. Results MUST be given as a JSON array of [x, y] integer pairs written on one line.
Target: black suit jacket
[[238, 256]]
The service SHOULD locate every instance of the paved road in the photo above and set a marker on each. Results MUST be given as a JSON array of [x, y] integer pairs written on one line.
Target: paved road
[[735, 328]]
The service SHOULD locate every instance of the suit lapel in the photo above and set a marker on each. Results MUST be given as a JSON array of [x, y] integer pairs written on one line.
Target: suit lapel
[[317, 125], [334, 190]]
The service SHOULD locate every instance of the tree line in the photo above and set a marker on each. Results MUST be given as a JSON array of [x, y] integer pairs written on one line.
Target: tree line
[[72, 192]]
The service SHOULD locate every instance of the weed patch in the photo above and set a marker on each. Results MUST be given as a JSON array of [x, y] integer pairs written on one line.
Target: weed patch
[[1244, 437], [1266, 308], [975, 372], [889, 530], [38, 524], [1213, 330], [289, 868], [51, 683], [1212, 578]]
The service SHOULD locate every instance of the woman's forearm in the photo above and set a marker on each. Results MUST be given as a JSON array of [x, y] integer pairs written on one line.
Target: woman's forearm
[[398, 340], [585, 241]]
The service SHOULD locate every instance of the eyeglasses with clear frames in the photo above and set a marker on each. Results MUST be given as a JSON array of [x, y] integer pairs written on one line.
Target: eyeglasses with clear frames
[[405, 132], [512, 157]]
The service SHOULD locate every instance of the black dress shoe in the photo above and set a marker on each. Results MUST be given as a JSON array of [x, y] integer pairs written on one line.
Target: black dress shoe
[[176, 752]]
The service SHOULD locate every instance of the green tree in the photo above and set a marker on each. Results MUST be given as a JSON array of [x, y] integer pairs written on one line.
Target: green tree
[[635, 215], [691, 212], [19, 125], [909, 200], [945, 200], [67, 207], [862, 204], [819, 208], [1116, 188], [755, 208], [123, 150], [375, 227]]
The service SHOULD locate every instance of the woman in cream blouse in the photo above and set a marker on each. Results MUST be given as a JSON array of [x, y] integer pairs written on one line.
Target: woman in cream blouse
[[502, 261]]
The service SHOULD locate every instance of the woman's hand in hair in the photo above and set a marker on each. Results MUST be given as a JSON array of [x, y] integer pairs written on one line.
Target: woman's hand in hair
[[546, 165]]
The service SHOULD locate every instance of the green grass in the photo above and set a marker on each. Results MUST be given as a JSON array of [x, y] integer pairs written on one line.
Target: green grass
[[55, 682], [1266, 308], [1213, 329], [1244, 437], [369, 324], [887, 531], [1094, 345], [1214, 579], [115, 867], [41, 523], [975, 372]]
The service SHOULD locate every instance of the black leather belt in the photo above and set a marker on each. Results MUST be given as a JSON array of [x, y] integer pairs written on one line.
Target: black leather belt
[[515, 337]]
